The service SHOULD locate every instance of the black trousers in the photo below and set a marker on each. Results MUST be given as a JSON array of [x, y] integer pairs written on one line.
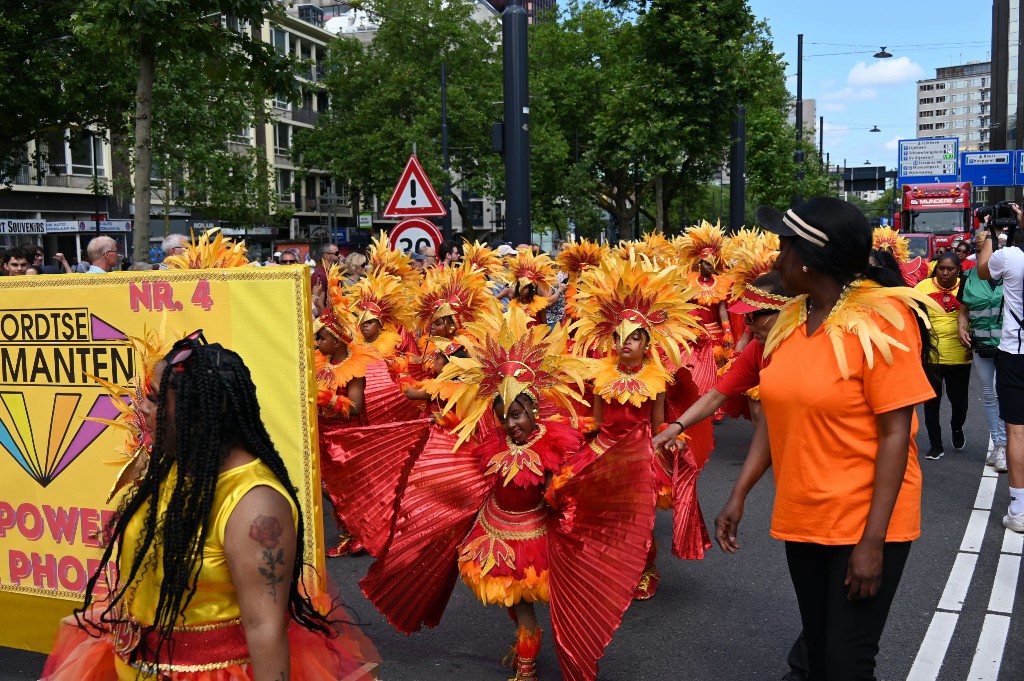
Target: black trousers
[[957, 378], [842, 635]]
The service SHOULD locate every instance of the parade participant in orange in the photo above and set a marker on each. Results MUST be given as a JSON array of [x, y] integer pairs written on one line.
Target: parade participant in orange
[[838, 395], [701, 253], [532, 278], [511, 516], [631, 312], [209, 543]]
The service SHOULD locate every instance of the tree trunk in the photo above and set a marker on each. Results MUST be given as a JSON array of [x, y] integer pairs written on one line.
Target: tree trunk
[[143, 150], [659, 204]]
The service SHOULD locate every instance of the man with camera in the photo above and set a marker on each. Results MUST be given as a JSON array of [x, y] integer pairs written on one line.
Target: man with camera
[[1008, 264]]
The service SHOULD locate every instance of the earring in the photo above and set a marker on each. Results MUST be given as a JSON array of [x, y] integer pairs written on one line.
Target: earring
[[804, 269]]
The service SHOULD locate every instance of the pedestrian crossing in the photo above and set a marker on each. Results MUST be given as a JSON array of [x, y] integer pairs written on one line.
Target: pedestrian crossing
[[988, 654]]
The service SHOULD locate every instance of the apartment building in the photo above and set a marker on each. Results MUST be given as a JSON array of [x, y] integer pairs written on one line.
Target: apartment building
[[957, 102]]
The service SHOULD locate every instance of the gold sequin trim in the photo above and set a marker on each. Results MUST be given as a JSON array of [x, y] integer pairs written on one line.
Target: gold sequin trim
[[210, 627], [155, 669]]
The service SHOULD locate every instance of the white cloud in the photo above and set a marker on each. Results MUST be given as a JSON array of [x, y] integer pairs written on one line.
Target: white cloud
[[893, 144], [885, 72]]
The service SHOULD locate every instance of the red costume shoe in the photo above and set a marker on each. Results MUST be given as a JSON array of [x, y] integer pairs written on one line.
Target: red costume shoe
[[527, 646]]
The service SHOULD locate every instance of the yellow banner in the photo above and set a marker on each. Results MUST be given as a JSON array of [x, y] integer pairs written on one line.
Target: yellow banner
[[56, 467]]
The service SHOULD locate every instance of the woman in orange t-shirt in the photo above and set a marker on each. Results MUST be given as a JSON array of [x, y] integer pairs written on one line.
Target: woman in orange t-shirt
[[841, 441]]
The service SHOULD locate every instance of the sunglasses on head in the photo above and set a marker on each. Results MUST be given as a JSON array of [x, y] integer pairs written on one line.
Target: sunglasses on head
[[182, 349]]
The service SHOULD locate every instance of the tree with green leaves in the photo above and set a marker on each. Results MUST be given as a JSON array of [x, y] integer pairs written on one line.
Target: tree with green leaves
[[154, 35], [386, 100]]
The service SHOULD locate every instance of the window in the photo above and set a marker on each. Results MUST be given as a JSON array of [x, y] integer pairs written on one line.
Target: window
[[942, 112], [940, 100], [973, 136], [973, 123], [281, 102], [282, 139], [959, 124], [940, 86], [279, 39], [926, 100], [926, 126], [243, 136], [926, 114], [959, 110], [960, 83], [974, 96], [977, 82], [236, 25], [83, 148], [940, 126], [975, 109], [926, 88], [284, 185]]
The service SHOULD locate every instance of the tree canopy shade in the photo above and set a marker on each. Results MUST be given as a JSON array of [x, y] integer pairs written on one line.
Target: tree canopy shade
[[386, 100], [50, 80], [157, 34]]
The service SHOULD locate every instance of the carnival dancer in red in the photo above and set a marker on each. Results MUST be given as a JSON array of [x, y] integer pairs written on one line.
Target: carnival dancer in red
[[385, 260], [518, 522], [532, 278], [888, 239], [701, 253], [633, 311]]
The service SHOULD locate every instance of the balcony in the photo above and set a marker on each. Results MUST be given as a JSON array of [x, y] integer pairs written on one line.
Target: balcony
[[307, 116], [69, 181]]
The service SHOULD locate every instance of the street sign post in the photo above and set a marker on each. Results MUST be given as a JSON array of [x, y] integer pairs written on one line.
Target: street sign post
[[987, 168], [923, 161], [409, 235], [1019, 169], [414, 196]]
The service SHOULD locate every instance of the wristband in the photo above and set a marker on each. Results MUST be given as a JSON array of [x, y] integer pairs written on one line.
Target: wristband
[[680, 424]]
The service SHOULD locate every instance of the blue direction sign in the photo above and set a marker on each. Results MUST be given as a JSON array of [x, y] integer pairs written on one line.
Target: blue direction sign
[[1019, 175], [923, 161], [987, 168]]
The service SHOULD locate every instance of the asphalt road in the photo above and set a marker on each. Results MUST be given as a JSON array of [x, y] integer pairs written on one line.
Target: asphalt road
[[733, 618]]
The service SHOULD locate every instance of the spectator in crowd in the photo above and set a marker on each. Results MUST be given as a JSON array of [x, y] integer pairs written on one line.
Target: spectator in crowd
[[1008, 264], [429, 257], [143, 267], [449, 253], [949, 363], [102, 255], [173, 244], [980, 326], [418, 261], [16, 261], [964, 251], [289, 257], [329, 254], [355, 267]]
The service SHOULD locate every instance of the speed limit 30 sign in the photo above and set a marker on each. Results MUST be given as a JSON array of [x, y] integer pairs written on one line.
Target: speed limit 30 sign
[[411, 234]]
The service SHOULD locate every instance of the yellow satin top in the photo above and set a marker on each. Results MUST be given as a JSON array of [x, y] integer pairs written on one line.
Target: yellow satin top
[[215, 599]]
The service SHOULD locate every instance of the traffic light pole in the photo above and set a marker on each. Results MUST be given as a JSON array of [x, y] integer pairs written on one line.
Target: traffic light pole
[[517, 123]]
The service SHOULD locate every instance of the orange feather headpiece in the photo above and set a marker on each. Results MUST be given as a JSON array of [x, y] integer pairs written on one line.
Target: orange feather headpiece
[[383, 258], [205, 254], [704, 242], [459, 292], [383, 297], [888, 239]]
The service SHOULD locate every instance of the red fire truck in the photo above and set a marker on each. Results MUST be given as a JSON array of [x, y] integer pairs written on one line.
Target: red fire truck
[[934, 215]]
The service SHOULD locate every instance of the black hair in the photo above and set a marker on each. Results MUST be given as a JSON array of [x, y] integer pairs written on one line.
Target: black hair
[[216, 409], [887, 261], [531, 289], [845, 256], [771, 283], [446, 248], [19, 253], [950, 255]]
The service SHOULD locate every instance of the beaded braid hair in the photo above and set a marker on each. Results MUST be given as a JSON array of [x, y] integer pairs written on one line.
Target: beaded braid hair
[[216, 409]]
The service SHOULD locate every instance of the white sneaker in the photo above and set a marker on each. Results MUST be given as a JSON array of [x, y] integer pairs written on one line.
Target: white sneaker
[[1000, 459], [1014, 521], [990, 455]]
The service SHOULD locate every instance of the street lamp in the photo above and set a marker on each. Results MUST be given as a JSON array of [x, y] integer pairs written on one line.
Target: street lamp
[[874, 129], [882, 54]]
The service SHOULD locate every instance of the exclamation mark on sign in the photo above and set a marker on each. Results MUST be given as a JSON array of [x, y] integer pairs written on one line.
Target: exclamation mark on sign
[[412, 191]]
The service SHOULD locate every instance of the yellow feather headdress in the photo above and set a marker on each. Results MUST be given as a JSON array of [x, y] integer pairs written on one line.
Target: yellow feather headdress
[[527, 268], [654, 246], [508, 357], [149, 349], [888, 239], [383, 297], [621, 296], [205, 254], [383, 258], [337, 319], [579, 256], [753, 254], [483, 258], [459, 292], [703, 242]]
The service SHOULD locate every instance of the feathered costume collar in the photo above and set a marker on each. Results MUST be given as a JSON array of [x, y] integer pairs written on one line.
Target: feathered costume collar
[[856, 312], [614, 382], [710, 292]]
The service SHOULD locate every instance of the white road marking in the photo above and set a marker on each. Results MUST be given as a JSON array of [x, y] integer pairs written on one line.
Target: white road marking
[[959, 582], [975, 532], [988, 656], [1013, 543], [1005, 586], [933, 648], [986, 493]]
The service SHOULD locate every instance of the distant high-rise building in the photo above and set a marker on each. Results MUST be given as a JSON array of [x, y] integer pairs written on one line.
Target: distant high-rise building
[[535, 9], [1007, 98], [957, 103]]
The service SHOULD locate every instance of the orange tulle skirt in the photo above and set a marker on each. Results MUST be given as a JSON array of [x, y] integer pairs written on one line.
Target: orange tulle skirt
[[78, 656]]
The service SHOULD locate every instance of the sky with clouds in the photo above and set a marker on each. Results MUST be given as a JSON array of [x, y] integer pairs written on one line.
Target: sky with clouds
[[853, 90]]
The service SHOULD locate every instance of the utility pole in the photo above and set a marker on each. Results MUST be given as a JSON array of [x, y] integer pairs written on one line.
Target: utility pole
[[798, 155], [446, 221], [516, 127]]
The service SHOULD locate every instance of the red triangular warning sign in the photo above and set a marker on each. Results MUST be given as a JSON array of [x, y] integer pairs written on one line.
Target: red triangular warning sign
[[414, 196]]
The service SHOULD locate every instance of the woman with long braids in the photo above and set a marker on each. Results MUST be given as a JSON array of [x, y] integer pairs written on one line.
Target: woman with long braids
[[208, 545]]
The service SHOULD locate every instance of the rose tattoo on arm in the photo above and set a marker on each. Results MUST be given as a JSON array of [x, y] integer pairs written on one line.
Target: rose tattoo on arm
[[266, 530]]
